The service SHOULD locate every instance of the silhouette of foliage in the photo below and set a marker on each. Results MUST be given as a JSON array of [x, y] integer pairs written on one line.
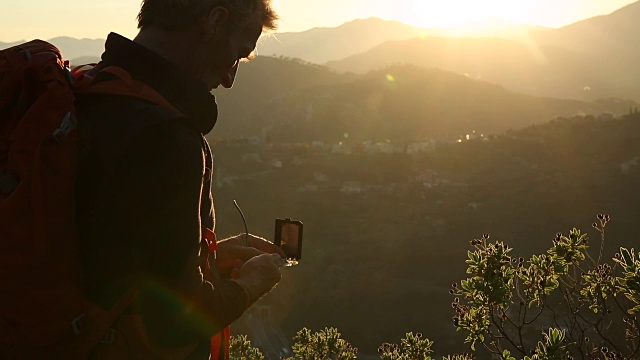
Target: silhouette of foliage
[[579, 296], [326, 344], [240, 348], [587, 307], [413, 346]]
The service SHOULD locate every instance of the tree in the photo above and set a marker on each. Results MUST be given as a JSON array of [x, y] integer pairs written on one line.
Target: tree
[[323, 345], [587, 306], [240, 348], [563, 304]]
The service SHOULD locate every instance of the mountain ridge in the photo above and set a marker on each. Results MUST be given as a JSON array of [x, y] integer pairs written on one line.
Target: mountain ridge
[[575, 64], [399, 102]]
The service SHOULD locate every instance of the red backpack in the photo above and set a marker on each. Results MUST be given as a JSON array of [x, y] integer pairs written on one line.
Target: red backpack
[[44, 313]]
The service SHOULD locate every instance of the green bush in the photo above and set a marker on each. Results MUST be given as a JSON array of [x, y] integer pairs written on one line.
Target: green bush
[[323, 345], [411, 347], [586, 306], [240, 348]]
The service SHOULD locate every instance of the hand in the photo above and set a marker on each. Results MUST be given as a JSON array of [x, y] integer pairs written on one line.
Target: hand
[[259, 275], [232, 253]]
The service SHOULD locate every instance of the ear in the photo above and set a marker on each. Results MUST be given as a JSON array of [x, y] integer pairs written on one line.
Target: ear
[[216, 20]]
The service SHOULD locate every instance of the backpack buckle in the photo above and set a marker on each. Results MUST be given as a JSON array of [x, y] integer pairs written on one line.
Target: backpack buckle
[[66, 127], [109, 337], [80, 324]]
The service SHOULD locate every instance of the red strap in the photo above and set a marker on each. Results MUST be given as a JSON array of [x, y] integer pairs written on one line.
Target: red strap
[[82, 69], [210, 237], [219, 342], [227, 342]]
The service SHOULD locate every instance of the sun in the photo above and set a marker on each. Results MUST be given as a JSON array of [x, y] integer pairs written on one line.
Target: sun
[[455, 13]]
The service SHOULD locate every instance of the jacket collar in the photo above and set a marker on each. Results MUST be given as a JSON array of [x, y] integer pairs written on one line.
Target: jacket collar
[[182, 90]]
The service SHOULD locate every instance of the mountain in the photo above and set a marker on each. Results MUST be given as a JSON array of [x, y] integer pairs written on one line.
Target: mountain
[[8, 45], [518, 65], [613, 34], [323, 44], [320, 45], [71, 48], [263, 81], [587, 60], [399, 103], [84, 60], [317, 45]]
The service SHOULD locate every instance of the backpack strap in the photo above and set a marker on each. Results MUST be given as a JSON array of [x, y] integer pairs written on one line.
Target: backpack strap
[[103, 321], [124, 85]]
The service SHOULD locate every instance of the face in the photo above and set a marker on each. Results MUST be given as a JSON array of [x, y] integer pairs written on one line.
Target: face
[[225, 47]]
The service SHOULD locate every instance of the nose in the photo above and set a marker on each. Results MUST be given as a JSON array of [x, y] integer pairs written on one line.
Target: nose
[[227, 81]]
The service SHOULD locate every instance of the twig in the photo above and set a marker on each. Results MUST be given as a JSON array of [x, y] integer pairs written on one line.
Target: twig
[[244, 221]]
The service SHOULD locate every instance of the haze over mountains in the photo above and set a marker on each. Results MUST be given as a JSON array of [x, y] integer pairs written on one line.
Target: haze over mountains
[[320, 45], [358, 72], [72, 48], [591, 59], [292, 101]]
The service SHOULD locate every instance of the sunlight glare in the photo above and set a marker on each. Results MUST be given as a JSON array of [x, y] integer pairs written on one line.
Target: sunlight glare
[[455, 13]]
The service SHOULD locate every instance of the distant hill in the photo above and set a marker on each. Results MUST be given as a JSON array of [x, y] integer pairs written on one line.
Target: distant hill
[[400, 102], [317, 45], [613, 36], [84, 60], [263, 81], [520, 66], [71, 48], [320, 45], [588, 60], [8, 45]]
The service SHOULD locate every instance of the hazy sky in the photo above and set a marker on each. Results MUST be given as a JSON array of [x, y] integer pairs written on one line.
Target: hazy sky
[[27, 19]]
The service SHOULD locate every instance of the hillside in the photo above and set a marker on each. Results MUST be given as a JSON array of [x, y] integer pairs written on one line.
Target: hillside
[[264, 81], [386, 234], [317, 45], [602, 35], [591, 59], [71, 48], [320, 45], [309, 103], [515, 64]]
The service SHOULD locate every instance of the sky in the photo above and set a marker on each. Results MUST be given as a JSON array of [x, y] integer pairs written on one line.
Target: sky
[[45, 19]]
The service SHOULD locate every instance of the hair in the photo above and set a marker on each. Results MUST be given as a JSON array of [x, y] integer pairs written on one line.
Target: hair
[[174, 15]]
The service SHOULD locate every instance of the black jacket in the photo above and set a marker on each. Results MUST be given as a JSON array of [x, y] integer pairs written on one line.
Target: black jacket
[[143, 193]]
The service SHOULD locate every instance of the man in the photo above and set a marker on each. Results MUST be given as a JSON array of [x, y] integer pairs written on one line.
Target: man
[[143, 187]]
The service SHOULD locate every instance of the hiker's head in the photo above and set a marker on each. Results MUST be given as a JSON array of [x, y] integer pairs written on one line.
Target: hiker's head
[[220, 33]]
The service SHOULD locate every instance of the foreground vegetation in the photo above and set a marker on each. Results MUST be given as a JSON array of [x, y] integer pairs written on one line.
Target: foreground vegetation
[[565, 303]]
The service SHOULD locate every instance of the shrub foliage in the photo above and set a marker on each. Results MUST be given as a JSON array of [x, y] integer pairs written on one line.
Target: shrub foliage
[[588, 307]]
